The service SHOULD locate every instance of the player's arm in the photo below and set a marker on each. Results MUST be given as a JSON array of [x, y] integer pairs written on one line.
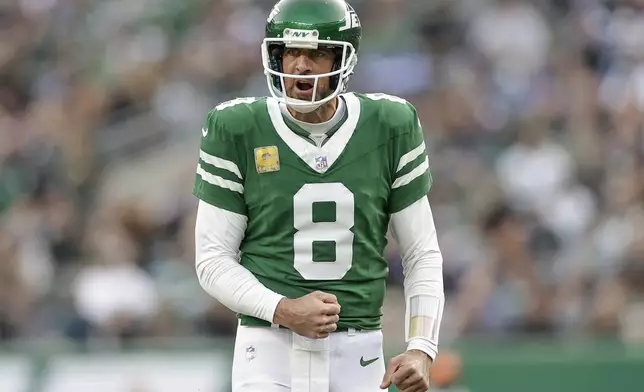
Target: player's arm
[[221, 224], [414, 231], [218, 234], [413, 228], [412, 225]]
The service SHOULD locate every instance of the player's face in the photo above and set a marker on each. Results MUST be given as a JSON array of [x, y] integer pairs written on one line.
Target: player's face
[[297, 61]]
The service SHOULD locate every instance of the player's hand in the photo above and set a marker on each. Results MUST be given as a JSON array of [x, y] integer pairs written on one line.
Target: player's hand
[[409, 372], [314, 315]]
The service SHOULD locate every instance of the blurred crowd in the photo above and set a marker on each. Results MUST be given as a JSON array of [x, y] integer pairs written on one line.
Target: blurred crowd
[[534, 119]]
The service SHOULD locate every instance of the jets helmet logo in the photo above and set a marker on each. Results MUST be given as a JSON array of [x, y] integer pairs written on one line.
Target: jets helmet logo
[[351, 19]]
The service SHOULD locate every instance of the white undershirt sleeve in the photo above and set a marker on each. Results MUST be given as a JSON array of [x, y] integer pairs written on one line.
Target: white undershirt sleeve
[[218, 234], [414, 231]]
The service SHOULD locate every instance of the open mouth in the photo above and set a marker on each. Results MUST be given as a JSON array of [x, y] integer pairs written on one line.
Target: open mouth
[[304, 86]]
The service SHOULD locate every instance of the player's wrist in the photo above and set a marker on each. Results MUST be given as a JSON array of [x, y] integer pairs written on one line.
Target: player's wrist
[[283, 312], [270, 303], [421, 354], [424, 346]]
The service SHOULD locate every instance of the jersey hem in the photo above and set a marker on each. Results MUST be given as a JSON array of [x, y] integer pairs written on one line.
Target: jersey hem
[[249, 321]]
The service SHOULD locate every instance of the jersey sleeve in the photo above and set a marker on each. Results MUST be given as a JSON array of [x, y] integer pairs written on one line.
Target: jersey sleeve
[[411, 175], [219, 180]]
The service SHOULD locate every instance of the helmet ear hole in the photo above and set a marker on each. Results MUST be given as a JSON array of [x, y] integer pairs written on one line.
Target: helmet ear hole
[[275, 52], [337, 64]]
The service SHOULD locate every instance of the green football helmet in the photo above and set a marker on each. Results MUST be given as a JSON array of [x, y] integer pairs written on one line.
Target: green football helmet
[[311, 24]]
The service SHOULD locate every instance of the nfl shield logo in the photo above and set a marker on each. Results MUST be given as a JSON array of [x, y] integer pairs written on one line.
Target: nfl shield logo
[[250, 353], [321, 163]]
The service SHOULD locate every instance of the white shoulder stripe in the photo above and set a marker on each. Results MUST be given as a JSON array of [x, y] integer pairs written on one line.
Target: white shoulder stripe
[[412, 175], [220, 163], [220, 182], [410, 156]]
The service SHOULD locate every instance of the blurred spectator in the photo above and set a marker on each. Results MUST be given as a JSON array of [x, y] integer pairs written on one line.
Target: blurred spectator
[[16, 300], [533, 171], [504, 292], [114, 297]]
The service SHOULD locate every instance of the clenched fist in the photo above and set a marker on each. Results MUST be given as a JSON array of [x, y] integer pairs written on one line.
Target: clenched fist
[[409, 372], [314, 315]]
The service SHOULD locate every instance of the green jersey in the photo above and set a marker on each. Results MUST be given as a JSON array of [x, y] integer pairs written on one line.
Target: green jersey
[[317, 213]]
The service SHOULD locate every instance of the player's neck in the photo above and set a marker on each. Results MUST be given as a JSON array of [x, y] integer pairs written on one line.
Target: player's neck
[[322, 114]]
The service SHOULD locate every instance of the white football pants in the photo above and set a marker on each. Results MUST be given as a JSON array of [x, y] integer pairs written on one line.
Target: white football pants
[[268, 359]]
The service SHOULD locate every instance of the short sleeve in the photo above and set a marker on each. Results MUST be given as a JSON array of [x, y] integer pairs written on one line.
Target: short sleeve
[[411, 178], [219, 179]]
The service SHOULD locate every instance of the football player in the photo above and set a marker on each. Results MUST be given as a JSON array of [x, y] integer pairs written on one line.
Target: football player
[[296, 192]]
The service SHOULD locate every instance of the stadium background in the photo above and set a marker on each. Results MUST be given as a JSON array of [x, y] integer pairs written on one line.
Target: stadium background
[[533, 113]]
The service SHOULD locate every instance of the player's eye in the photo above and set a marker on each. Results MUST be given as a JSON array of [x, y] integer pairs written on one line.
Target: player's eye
[[293, 52], [322, 54]]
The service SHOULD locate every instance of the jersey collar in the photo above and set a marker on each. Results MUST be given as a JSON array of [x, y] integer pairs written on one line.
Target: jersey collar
[[308, 152]]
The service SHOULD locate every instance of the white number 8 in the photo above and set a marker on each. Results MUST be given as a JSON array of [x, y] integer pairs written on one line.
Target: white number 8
[[309, 231]]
